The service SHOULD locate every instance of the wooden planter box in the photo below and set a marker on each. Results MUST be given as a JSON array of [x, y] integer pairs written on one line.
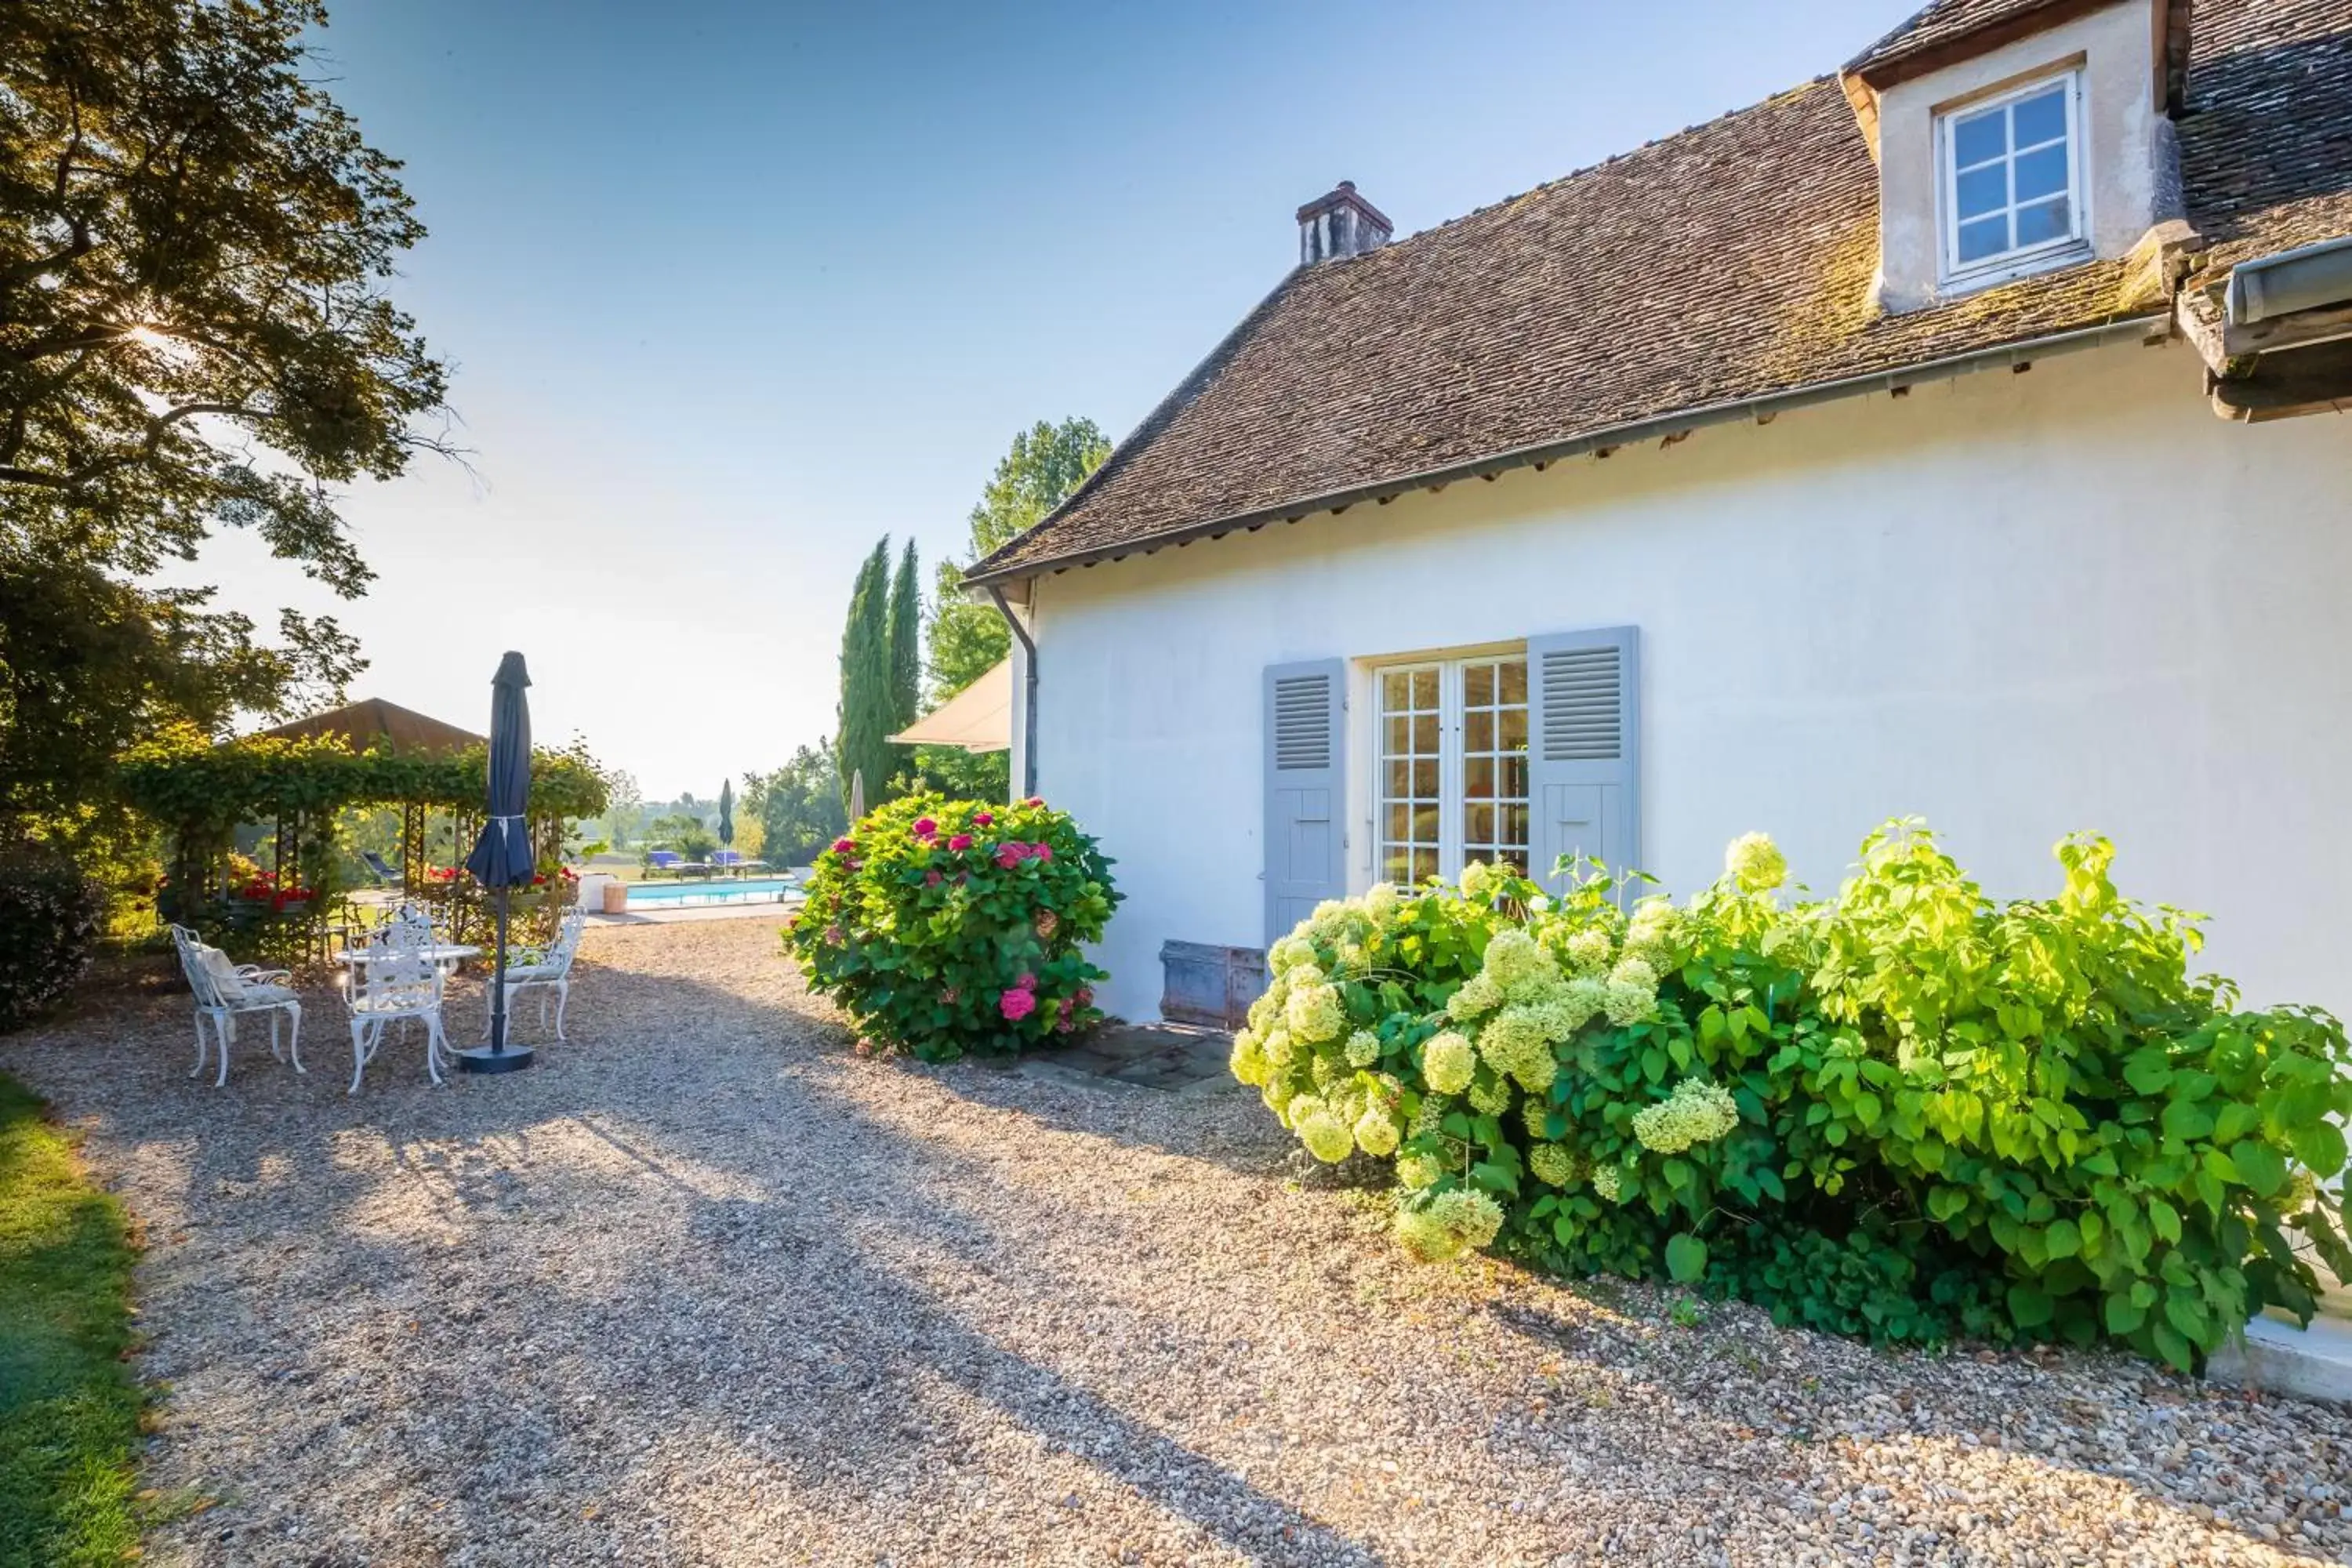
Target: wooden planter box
[[1210, 986]]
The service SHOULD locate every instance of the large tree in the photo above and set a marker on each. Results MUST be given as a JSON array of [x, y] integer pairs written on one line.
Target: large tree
[[193, 335], [1046, 462], [863, 751], [798, 806]]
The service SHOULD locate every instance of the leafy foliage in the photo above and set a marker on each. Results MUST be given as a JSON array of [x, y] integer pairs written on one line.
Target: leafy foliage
[[50, 918], [952, 926], [1045, 463], [798, 805], [1907, 1111], [192, 242]]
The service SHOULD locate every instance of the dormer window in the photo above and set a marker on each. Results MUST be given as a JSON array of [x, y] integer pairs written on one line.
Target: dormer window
[[2012, 186]]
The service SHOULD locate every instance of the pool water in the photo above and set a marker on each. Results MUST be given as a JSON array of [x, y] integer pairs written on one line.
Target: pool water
[[672, 894]]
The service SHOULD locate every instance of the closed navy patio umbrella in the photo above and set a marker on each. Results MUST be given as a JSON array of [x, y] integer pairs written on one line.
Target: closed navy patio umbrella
[[502, 856]]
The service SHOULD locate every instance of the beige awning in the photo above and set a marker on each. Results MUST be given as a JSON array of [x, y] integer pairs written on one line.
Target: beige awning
[[977, 719]]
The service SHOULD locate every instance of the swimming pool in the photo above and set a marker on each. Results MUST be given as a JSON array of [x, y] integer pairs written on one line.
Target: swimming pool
[[681, 895]]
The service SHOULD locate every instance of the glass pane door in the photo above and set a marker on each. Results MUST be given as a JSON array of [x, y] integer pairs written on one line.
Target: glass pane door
[[1410, 814], [1494, 761]]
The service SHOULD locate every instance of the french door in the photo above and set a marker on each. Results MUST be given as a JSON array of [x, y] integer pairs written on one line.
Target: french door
[[1450, 766]]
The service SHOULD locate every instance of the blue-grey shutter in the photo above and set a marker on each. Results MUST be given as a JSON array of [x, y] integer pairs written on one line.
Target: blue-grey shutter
[[1306, 749], [1584, 752]]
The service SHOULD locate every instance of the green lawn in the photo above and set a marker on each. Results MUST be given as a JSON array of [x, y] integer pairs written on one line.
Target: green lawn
[[69, 1408]]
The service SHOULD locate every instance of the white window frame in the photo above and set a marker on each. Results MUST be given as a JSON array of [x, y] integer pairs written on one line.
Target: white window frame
[[2021, 260], [1452, 740]]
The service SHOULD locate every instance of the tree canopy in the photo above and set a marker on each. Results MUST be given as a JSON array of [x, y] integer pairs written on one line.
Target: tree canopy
[[1045, 464], [193, 335], [798, 806]]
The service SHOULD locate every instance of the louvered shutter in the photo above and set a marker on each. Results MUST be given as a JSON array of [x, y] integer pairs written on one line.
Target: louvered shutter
[[1584, 749], [1306, 745]]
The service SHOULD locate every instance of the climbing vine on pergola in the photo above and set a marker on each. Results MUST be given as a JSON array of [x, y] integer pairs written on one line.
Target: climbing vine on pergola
[[199, 791]]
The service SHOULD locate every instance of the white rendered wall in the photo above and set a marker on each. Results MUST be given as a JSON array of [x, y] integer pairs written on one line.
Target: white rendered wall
[[2019, 605]]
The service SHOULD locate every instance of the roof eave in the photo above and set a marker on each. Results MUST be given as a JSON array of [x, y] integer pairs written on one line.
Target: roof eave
[[2147, 326]]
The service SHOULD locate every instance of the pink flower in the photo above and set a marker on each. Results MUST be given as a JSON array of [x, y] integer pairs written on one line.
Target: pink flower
[[1017, 1004], [1069, 1005], [960, 842], [844, 846], [1011, 854], [949, 996], [983, 819], [1025, 982], [1046, 923], [1041, 851], [1084, 996], [931, 878], [925, 828], [1034, 800], [833, 935]]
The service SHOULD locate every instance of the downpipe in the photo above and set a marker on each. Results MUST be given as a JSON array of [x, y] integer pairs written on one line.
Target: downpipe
[[1028, 691]]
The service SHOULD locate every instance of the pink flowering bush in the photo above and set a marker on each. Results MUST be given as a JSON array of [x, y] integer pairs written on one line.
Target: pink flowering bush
[[951, 926]]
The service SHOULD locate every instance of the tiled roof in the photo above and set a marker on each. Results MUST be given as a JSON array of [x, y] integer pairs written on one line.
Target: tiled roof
[[1944, 22], [1730, 262]]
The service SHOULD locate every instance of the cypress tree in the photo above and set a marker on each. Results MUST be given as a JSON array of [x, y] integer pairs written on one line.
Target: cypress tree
[[727, 811], [906, 654], [866, 701]]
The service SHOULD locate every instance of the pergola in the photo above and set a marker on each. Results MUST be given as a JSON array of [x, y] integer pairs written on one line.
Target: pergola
[[302, 775], [373, 724]]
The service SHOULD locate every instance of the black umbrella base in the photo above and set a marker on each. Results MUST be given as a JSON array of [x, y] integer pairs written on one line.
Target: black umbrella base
[[482, 1058]]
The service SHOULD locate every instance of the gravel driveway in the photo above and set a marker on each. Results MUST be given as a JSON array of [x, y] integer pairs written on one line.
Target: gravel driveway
[[706, 1287]]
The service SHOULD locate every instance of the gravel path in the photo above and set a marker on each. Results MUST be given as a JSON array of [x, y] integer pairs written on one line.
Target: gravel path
[[706, 1287]]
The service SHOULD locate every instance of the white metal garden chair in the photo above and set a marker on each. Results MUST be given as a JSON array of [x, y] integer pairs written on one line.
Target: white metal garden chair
[[390, 980], [546, 968], [224, 989]]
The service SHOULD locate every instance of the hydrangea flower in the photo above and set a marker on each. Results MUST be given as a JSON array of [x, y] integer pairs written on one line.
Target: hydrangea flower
[[925, 828], [1427, 1237], [1755, 863], [1448, 1063], [1419, 1171], [1248, 1061], [1514, 958], [1290, 953], [1626, 1003], [845, 846], [1017, 1004], [1491, 1097], [1041, 852], [1278, 1047], [1326, 1137], [1656, 926], [1538, 1116], [1590, 948], [1363, 1049], [1608, 1180], [1314, 1013], [1380, 901], [1477, 881], [1552, 1163], [983, 819], [960, 842], [1516, 1043], [1468, 1214], [1696, 1112], [1376, 1133], [1476, 998]]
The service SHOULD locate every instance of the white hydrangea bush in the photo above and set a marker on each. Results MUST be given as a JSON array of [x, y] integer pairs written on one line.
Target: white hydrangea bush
[[1453, 1030]]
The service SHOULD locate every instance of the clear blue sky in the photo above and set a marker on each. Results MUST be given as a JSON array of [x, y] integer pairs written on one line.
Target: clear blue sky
[[733, 289]]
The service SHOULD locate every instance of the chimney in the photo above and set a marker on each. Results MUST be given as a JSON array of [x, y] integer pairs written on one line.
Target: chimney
[[1343, 223]]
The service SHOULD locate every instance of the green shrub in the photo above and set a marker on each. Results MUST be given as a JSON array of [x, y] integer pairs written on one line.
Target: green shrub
[[952, 926], [1905, 1111], [50, 918]]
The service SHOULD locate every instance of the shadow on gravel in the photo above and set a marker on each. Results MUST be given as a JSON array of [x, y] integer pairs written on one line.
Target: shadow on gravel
[[537, 1316]]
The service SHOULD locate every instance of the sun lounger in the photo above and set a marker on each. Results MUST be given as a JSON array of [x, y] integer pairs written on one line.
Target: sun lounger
[[384, 874]]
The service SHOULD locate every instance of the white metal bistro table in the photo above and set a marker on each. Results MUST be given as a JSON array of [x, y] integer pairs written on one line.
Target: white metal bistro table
[[448, 955]]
